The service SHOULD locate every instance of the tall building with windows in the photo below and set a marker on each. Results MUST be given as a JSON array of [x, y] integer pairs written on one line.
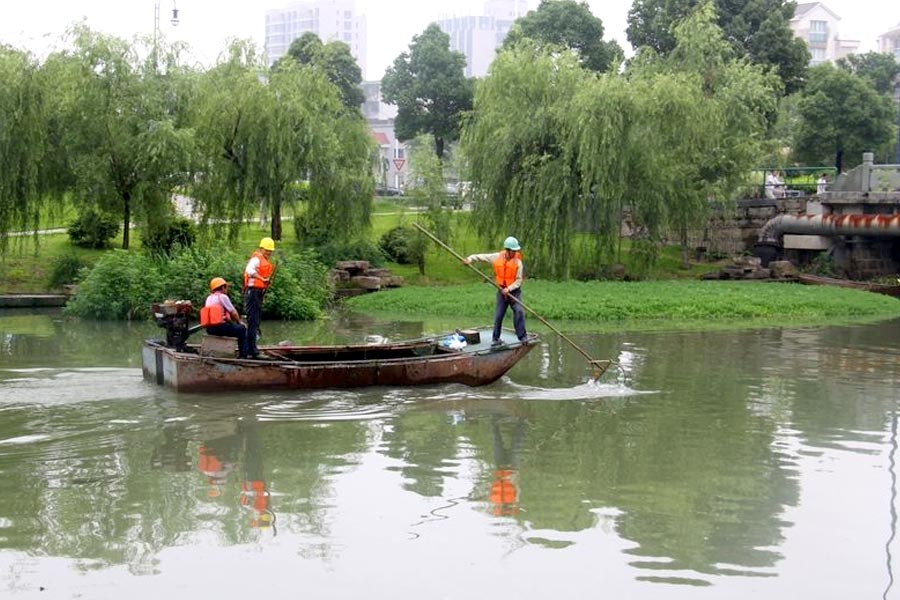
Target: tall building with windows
[[478, 37], [329, 19], [817, 25], [890, 42]]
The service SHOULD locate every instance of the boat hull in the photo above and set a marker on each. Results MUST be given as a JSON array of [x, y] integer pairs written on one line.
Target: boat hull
[[476, 365]]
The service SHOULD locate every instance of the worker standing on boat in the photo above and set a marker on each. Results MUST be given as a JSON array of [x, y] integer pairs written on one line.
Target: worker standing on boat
[[508, 274], [219, 317], [257, 278]]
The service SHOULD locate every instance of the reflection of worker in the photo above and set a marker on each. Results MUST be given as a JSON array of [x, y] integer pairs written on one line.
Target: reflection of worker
[[216, 461], [214, 468], [504, 492], [255, 498]]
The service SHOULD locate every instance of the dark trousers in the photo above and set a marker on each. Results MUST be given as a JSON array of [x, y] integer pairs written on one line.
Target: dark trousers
[[518, 313], [253, 306], [235, 330]]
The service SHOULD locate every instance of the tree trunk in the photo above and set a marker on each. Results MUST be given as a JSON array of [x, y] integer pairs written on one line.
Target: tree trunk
[[126, 209], [685, 262], [276, 217], [439, 147], [839, 161]]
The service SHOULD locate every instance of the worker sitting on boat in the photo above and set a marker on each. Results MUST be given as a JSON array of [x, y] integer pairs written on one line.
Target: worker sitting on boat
[[508, 273], [219, 317]]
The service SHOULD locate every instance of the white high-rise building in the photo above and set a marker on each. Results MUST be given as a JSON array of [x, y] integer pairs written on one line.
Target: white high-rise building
[[479, 37], [329, 19]]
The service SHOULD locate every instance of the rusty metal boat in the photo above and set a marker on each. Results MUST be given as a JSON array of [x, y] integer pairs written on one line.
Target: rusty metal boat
[[190, 368]]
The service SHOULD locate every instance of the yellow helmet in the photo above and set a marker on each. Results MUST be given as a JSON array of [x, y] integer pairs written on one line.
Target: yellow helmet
[[267, 243], [215, 283]]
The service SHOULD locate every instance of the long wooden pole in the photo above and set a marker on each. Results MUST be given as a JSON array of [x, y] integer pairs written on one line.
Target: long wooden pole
[[599, 365]]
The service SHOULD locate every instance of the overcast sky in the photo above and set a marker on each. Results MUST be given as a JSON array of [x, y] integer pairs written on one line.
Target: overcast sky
[[207, 24]]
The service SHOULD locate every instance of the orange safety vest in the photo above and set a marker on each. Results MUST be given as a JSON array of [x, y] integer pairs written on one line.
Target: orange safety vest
[[505, 270], [264, 270], [213, 315]]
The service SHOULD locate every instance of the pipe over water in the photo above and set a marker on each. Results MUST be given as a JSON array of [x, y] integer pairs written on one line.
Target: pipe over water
[[830, 225]]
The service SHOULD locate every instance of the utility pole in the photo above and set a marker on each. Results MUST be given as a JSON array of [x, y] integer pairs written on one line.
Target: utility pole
[[156, 30]]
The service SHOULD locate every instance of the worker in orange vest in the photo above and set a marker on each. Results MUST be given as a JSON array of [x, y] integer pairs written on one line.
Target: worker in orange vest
[[509, 273], [257, 278], [219, 317]]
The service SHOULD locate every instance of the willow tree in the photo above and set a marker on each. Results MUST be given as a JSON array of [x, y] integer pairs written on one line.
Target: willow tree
[[709, 122], [121, 125], [554, 150], [24, 143], [272, 138]]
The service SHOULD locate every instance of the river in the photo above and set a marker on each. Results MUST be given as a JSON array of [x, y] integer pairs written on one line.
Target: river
[[736, 464]]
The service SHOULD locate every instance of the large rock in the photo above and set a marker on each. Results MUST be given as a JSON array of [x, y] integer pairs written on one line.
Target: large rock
[[367, 283], [783, 269], [354, 267], [392, 281]]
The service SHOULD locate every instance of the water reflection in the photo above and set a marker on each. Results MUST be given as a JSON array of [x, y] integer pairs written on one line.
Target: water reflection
[[706, 463]]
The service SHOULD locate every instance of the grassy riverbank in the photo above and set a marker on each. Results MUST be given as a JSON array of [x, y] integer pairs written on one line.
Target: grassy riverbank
[[600, 306]]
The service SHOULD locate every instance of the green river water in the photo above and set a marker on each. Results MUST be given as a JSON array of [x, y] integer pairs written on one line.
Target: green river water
[[748, 464]]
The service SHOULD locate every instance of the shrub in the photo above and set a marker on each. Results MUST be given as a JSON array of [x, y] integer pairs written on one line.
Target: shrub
[[169, 236], [332, 252], [66, 270], [93, 229], [402, 245], [122, 285]]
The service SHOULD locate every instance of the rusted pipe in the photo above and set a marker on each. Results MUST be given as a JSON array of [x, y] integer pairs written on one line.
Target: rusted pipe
[[830, 225]]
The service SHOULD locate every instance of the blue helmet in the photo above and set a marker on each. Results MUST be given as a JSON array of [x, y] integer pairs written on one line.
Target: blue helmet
[[511, 243]]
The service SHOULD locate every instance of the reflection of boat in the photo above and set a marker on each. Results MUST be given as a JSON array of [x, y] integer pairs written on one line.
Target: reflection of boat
[[868, 286], [414, 362]]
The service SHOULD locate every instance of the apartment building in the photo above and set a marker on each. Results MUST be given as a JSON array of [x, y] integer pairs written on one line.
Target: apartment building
[[817, 25], [890, 42], [329, 19], [478, 37]]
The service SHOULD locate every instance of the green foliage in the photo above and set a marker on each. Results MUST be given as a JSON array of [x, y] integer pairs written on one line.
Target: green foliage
[[124, 285], [358, 249], [402, 245], [93, 229], [554, 150], [643, 305], [170, 235], [335, 60], [758, 31], [823, 264], [300, 289], [570, 25], [429, 88], [66, 269], [120, 124], [260, 138], [880, 69], [23, 142], [841, 116]]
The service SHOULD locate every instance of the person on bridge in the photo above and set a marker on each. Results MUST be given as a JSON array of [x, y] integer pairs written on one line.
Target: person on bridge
[[257, 278], [219, 317], [509, 274]]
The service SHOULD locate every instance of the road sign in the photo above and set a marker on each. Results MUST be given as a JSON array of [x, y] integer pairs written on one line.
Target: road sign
[[398, 163]]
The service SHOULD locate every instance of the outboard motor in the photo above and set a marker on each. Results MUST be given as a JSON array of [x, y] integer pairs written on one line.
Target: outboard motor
[[173, 316]]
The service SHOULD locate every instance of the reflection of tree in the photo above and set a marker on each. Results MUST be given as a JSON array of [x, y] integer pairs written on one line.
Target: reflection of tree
[[427, 449]]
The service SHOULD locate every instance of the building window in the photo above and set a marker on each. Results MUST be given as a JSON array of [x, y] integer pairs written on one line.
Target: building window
[[818, 32], [818, 55]]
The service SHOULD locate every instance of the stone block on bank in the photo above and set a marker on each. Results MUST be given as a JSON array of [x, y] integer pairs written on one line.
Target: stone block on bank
[[367, 283], [354, 267]]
